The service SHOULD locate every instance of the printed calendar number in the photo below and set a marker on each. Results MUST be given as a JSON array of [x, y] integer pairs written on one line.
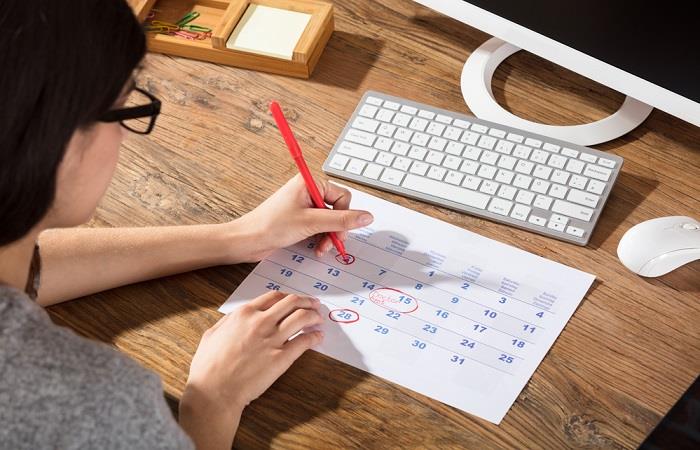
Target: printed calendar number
[[479, 328], [321, 286], [505, 358], [333, 272], [393, 315], [454, 300], [297, 258], [430, 328], [442, 313], [381, 330], [273, 286], [502, 300], [286, 272], [540, 314], [529, 328], [465, 285], [357, 300], [457, 359], [368, 285], [467, 343], [518, 343], [490, 314], [418, 344]]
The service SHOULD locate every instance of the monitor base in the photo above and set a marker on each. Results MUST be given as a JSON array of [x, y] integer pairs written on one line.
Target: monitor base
[[476, 88]]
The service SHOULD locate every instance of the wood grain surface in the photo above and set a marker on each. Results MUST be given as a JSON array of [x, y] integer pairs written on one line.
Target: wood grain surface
[[629, 351]]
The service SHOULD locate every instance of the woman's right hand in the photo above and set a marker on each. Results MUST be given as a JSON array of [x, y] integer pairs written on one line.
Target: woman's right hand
[[239, 358]]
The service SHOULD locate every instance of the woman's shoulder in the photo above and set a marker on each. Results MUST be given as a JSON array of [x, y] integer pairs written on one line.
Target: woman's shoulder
[[56, 385]]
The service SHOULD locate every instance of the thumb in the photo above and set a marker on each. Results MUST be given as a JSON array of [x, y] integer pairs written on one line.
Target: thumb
[[324, 220]]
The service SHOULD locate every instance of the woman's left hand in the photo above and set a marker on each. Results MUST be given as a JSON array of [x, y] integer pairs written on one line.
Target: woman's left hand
[[289, 216]]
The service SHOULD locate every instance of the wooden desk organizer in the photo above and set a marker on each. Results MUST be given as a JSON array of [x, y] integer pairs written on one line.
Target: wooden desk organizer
[[222, 16]]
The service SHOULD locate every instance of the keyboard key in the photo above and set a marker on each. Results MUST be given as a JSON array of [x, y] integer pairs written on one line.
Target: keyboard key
[[515, 138], [470, 138], [434, 157], [555, 226], [401, 163], [419, 168], [445, 191], [437, 143], [574, 166], [339, 161], [384, 158], [454, 148], [559, 219], [392, 176], [479, 128], [436, 173], [540, 186], [365, 124], [557, 161], [420, 139], [504, 147], [572, 210], [426, 114], [541, 221], [452, 162], [542, 202], [539, 156], [578, 232], [578, 182], [383, 143], [357, 150], [583, 198], [374, 101], [500, 206], [360, 137], [356, 166], [453, 177], [551, 147], [487, 142], [489, 157], [588, 157], [597, 172], [533, 142], [596, 187], [418, 124], [489, 187], [469, 166], [435, 128], [559, 176], [386, 129], [386, 115], [522, 181], [409, 109], [507, 162], [542, 172], [471, 182], [522, 151], [400, 148], [452, 133], [444, 119], [368, 111], [525, 197], [495, 132], [520, 212], [472, 152], [372, 171], [558, 191], [569, 152], [417, 152], [524, 167], [507, 192], [486, 171], [391, 105], [403, 134], [401, 119], [504, 176], [609, 163], [462, 123]]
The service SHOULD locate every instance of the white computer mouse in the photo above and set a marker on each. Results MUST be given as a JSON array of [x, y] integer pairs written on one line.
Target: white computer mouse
[[658, 246]]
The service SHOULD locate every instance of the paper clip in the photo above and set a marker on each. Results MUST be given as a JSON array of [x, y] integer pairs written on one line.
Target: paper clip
[[187, 35], [187, 18], [161, 27], [197, 28]]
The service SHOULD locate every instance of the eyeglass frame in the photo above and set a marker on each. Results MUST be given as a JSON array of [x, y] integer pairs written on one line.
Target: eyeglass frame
[[135, 112]]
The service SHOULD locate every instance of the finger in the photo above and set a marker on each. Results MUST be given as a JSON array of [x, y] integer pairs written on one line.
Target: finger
[[324, 220], [266, 300], [294, 348], [335, 195], [291, 303], [297, 321], [324, 246]]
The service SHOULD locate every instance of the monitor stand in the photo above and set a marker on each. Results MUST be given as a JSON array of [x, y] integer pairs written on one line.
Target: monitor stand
[[476, 89]]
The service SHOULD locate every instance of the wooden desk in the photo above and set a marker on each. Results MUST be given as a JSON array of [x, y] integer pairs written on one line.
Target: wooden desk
[[628, 353]]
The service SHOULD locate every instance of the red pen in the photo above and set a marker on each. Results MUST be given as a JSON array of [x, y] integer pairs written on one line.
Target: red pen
[[295, 151]]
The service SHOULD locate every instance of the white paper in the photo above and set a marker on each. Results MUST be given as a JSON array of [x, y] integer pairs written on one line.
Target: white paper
[[435, 308], [268, 31]]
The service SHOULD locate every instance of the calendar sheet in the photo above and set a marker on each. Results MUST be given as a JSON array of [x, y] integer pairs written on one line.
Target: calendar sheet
[[440, 310]]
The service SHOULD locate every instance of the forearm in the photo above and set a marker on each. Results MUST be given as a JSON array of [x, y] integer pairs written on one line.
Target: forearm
[[211, 426], [82, 261]]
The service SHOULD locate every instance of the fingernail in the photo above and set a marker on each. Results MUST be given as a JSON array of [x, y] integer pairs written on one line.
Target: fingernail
[[365, 219]]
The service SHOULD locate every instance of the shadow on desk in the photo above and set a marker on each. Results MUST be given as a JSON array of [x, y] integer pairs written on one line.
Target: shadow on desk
[[347, 59]]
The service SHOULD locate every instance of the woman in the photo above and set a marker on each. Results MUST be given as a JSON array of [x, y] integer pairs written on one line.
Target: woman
[[67, 73]]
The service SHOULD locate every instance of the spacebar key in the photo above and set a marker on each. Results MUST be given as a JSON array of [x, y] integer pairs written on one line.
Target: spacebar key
[[446, 191]]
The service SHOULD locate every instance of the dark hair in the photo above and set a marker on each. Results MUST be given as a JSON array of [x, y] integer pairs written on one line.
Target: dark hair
[[64, 63]]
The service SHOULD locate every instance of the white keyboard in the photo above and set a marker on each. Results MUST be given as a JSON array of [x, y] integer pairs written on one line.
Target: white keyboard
[[470, 165]]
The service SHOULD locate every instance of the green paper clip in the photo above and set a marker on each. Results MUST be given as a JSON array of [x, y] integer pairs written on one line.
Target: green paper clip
[[197, 28], [189, 17]]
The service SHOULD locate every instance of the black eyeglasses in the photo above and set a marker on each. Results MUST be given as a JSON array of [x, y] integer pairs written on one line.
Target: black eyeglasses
[[140, 114]]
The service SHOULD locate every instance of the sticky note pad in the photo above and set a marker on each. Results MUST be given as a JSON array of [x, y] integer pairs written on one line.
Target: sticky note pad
[[268, 31]]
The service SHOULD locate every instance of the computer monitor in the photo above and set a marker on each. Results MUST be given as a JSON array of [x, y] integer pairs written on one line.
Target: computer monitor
[[649, 51]]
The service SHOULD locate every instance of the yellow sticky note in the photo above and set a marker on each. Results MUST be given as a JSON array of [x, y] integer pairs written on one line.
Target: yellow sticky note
[[268, 31]]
